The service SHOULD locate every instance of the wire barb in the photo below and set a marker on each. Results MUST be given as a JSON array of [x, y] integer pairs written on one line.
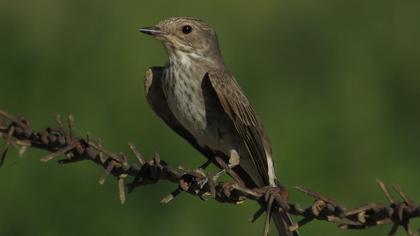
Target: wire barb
[[16, 132]]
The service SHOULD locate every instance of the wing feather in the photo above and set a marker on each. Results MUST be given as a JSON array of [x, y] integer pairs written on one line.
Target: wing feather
[[245, 120]]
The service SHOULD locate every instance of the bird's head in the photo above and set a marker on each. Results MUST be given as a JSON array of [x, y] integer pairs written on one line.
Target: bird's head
[[186, 36]]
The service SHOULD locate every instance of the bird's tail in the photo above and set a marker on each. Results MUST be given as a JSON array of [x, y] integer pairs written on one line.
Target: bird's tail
[[282, 221]]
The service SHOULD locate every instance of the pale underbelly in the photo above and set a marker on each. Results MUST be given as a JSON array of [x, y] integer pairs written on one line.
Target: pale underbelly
[[193, 117], [209, 128]]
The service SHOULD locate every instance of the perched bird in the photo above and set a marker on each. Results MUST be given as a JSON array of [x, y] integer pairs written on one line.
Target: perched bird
[[197, 96]]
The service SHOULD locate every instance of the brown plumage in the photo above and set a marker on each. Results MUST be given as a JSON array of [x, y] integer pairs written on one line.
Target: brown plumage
[[197, 96], [246, 122]]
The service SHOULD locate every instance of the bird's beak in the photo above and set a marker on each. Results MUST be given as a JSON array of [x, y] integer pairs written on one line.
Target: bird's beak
[[154, 30]]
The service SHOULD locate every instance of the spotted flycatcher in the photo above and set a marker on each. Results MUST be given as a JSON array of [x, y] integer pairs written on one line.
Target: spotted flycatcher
[[197, 96]]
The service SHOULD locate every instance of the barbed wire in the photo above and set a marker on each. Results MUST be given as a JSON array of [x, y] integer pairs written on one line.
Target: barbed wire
[[61, 141]]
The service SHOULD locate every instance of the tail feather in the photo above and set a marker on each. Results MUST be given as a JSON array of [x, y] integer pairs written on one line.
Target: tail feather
[[282, 221]]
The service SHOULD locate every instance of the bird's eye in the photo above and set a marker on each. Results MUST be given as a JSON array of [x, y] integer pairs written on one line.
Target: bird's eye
[[186, 29]]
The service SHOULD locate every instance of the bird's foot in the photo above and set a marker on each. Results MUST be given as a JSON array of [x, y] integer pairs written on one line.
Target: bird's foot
[[233, 161], [205, 165]]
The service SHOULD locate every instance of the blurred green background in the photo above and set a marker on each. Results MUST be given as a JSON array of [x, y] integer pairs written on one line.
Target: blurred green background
[[337, 84]]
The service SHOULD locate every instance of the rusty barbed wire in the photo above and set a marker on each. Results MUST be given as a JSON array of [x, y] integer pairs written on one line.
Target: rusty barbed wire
[[61, 141]]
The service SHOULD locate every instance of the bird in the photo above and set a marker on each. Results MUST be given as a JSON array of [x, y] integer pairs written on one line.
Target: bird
[[198, 97]]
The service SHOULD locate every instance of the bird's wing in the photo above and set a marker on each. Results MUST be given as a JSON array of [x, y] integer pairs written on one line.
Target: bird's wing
[[157, 101], [246, 122]]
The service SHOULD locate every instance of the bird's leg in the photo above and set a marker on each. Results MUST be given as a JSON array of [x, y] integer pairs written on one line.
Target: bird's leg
[[205, 165], [233, 161]]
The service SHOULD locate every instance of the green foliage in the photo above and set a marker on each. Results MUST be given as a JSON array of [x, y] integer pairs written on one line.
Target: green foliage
[[337, 84]]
